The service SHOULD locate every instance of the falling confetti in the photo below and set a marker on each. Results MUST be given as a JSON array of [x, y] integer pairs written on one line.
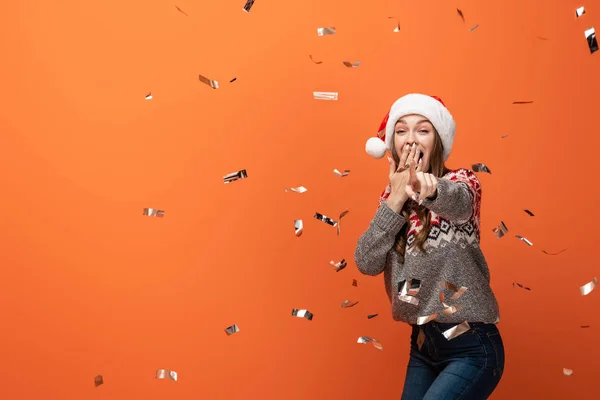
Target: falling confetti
[[230, 330], [326, 31], [479, 167], [213, 84], [298, 227], [457, 330], [457, 291], [248, 6], [299, 189], [153, 212], [339, 222], [580, 11], [341, 174], [504, 137], [567, 372], [407, 290], [522, 102], [233, 80], [425, 319], [325, 95], [339, 265], [529, 212], [584, 326], [350, 64], [302, 314], [588, 287], [234, 176], [366, 339], [541, 38], [590, 35], [99, 380], [371, 316], [166, 373], [149, 96], [460, 14], [521, 286], [354, 283], [524, 240], [397, 28], [500, 230], [553, 254], [475, 27], [325, 219], [349, 303], [448, 309], [181, 11], [313, 60]]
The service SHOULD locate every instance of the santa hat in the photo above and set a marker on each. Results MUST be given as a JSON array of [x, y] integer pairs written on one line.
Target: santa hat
[[431, 107]]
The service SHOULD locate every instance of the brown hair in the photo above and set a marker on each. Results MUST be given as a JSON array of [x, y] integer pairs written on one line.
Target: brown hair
[[438, 169]]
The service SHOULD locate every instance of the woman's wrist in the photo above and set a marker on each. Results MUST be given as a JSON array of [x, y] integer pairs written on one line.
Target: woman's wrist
[[396, 202]]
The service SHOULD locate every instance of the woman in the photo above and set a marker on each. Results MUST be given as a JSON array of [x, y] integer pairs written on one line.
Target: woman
[[424, 237]]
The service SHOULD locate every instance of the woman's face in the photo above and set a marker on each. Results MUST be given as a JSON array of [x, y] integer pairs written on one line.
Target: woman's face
[[415, 129]]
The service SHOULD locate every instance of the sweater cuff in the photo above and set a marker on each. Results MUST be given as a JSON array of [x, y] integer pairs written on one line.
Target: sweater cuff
[[388, 220], [442, 188]]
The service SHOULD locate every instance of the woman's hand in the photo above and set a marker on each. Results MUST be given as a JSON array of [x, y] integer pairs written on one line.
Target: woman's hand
[[399, 176], [420, 185]]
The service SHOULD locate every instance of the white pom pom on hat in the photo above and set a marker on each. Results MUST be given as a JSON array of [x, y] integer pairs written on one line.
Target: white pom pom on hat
[[431, 107]]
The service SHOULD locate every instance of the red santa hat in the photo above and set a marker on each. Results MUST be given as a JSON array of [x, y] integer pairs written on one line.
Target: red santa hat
[[431, 107]]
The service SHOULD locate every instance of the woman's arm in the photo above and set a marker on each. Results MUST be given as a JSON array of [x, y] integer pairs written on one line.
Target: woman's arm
[[457, 197], [373, 245]]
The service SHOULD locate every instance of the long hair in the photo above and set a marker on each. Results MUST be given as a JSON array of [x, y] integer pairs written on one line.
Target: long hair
[[438, 169]]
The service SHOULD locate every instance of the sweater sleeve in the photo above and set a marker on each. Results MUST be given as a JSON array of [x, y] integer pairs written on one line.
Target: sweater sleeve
[[375, 243], [458, 196]]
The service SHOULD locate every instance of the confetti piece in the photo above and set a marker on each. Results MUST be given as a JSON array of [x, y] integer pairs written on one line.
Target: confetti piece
[[325, 219], [166, 373], [149, 96], [325, 95], [500, 230], [366, 339], [299, 189], [234, 176], [153, 212], [457, 291], [553, 254], [504, 137], [302, 314], [181, 11], [590, 35], [233, 80], [339, 265], [313, 60], [456, 331], [371, 316], [248, 6], [588, 287], [460, 14], [341, 174], [213, 84], [99, 380], [475, 27], [529, 212], [521, 286], [585, 326], [354, 283], [522, 102], [524, 240], [339, 222], [230, 330], [420, 339], [425, 319], [326, 31], [567, 372], [397, 28], [580, 11], [350, 64], [407, 290], [448, 309], [349, 303], [479, 167], [541, 38], [298, 227]]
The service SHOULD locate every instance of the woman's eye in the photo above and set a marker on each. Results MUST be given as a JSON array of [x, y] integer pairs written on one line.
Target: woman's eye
[[399, 132], [424, 131]]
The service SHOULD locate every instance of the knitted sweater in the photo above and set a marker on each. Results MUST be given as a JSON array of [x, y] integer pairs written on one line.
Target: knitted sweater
[[452, 264]]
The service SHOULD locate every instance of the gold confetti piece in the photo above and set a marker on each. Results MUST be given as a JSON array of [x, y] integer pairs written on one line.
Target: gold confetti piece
[[230, 330], [567, 372], [529, 212], [522, 102], [149, 96], [325, 219], [504, 137], [588, 287], [212, 83], [354, 282], [233, 80], [153, 212], [553, 254], [407, 290], [448, 309], [326, 31], [397, 28], [99, 380], [248, 6], [479, 167], [366, 339], [313, 60], [475, 27], [590, 35], [166, 373], [299, 189], [580, 11], [420, 339], [341, 174], [349, 303], [339, 265], [234, 176], [500, 230], [524, 240], [425, 319], [339, 222], [325, 95], [541, 38], [584, 326], [371, 316], [521, 286], [302, 314], [298, 227], [460, 14], [457, 292], [351, 65], [181, 11], [456, 331]]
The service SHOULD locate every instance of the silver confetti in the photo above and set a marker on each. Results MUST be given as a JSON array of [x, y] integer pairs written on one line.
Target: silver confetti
[[448, 309], [212, 83], [326, 31], [479, 167], [325, 219], [99, 380], [425, 319], [397, 28], [590, 35], [230, 330], [298, 227], [166, 373], [567, 372], [456, 331], [366, 339], [153, 212], [407, 290], [149, 96], [349, 303], [580, 11], [354, 282], [351, 65], [457, 291], [299, 189], [500, 230], [339, 222], [248, 6], [588, 287], [325, 95], [341, 174], [234, 176], [521, 286], [475, 27], [339, 265], [524, 240], [302, 314]]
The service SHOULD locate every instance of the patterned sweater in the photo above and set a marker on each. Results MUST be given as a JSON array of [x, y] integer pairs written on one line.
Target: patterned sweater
[[448, 283]]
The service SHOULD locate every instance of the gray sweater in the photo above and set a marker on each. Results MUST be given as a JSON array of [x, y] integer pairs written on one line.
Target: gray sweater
[[452, 258]]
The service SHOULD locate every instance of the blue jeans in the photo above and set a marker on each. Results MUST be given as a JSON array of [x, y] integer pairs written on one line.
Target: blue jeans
[[467, 367]]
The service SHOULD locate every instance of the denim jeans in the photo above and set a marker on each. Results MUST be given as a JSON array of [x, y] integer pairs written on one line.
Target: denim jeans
[[467, 367]]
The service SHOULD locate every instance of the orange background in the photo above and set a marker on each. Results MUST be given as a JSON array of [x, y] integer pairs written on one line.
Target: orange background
[[90, 286]]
